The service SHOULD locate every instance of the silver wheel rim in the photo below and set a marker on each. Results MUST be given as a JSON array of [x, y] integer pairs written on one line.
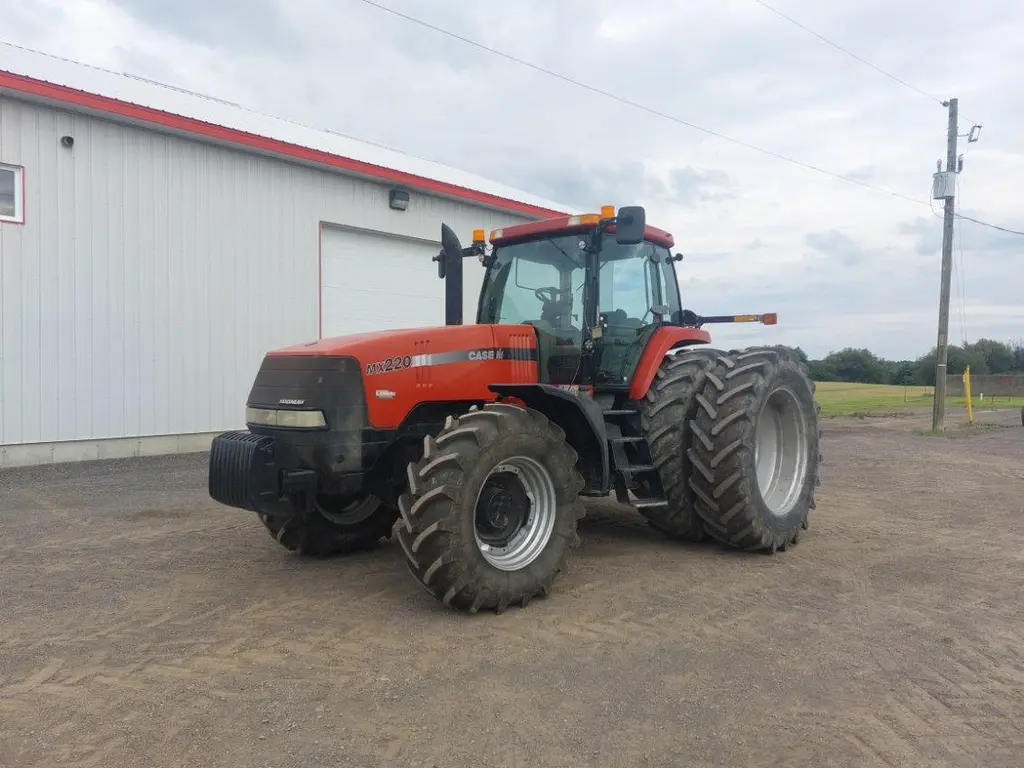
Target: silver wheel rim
[[352, 513], [780, 451], [531, 535]]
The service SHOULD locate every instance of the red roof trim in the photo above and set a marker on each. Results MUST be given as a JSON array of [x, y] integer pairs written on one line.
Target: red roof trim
[[66, 95]]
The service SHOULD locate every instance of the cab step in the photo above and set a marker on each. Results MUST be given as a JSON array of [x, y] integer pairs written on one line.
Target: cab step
[[648, 503], [636, 469], [632, 465], [617, 413], [627, 440]]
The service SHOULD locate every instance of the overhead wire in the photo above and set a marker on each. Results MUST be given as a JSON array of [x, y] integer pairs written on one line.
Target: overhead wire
[[851, 54], [990, 226], [672, 118], [635, 104]]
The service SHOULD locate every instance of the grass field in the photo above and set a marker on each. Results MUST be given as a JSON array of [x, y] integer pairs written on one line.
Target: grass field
[[839, 398]]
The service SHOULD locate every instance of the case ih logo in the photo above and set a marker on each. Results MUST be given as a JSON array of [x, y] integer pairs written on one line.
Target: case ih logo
[[486, 354]]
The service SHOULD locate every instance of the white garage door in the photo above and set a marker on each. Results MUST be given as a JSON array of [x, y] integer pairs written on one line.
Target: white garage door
[[371, 281]]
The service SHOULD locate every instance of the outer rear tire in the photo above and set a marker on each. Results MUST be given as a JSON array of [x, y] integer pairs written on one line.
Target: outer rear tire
[[329, 531], [439, 530], [665, 413], [764, 386]]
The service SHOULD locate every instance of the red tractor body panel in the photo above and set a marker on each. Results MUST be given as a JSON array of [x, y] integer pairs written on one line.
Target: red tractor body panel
[[403, 368], [665, 338]]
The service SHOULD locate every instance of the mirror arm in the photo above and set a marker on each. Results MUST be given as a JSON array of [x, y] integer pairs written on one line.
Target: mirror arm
[[477, 249]]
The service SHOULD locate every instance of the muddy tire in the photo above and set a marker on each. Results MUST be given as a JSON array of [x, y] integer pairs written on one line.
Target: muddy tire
[[333, 528], [491, 509], [665, 413], [755, 449]]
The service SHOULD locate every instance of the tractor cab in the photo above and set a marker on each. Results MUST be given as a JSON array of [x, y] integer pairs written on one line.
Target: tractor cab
[[541, 280], [594, 287]]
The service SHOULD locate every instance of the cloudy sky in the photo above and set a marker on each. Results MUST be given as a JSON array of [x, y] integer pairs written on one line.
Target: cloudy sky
[[843, 265]]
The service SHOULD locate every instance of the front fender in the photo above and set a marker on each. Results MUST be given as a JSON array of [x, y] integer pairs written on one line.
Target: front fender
[[582, 421]]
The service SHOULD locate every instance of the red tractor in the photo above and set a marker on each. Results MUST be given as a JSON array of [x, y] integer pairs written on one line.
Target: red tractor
[[583, 376]]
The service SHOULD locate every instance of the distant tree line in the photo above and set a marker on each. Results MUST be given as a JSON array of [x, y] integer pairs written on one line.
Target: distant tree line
[[863, 366]]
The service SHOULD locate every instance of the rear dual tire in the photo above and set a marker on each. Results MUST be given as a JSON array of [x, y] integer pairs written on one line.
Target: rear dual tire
[[735, 439], [755, 449], [492, 509]]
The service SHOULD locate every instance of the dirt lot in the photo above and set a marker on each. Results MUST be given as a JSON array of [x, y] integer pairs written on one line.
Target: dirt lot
[[142, 625]]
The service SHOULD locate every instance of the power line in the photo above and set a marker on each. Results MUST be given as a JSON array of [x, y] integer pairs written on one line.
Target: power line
[[637, 105], [838, 47], [990, 226], [665, 115], [957, 215], [851, 54]]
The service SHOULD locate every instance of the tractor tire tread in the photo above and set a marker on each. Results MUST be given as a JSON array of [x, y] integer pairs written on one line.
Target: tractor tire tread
[[437, 509], [316, 536], [666, 412], [724, 482]]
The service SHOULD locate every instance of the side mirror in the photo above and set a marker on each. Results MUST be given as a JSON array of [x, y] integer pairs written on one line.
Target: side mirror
[[630, 225]]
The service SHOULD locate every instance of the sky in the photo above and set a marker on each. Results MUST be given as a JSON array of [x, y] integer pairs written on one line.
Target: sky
[[842, 265]]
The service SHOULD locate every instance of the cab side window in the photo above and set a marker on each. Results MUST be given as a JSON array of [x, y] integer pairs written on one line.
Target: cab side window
[[629, 288]]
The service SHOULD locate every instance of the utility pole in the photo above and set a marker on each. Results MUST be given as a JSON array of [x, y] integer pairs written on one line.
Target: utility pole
[[945, 188]]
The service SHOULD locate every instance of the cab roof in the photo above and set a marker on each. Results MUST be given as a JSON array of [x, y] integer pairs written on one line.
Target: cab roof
[[567, 225]]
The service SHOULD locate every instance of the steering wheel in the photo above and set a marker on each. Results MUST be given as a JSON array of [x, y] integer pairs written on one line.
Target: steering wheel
[[542, 293]]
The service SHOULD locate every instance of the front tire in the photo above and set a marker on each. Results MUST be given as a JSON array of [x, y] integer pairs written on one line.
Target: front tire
[[333, 527], [492, 509], [755, 449]]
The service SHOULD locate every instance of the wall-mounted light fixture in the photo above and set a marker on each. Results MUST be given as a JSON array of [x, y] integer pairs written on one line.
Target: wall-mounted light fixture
[[398, 199], [67, 141]]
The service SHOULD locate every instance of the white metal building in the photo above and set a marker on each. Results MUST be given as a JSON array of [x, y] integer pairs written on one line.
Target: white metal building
[[154, 243]]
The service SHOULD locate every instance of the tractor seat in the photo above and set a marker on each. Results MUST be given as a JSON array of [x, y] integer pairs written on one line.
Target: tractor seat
[[619, 322]]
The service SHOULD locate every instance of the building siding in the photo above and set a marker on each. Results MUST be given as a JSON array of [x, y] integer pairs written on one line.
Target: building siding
[[152, 273]]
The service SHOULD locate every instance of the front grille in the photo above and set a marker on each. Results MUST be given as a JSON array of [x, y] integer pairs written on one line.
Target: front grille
[[242, 473], [309, 378], [330, 384]]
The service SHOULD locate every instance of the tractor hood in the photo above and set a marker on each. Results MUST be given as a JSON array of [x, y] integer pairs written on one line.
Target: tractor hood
[[401, 368], [369, 347]]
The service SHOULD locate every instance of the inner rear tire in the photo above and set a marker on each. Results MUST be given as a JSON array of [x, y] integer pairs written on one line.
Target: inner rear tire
[[334, 527], [755, 449], [665, 413], [492, 509]]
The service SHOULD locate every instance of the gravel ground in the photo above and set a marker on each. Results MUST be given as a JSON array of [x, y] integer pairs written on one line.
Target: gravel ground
[[143, 625]]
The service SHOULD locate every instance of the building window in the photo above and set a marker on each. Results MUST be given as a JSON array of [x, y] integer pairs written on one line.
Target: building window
[[12, 202]]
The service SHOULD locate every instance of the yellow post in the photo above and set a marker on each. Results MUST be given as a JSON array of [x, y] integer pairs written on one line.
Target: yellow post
[[967, 394]]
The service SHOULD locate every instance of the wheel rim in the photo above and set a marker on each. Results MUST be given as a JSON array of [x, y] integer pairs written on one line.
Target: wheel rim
[[780, 451], [514, 513], [348, 514]]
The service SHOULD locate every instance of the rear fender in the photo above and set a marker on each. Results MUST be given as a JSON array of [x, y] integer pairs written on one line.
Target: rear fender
[[664, 339], [581, 419]]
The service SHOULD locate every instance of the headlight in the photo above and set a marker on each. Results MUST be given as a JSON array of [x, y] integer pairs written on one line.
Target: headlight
[[270, 417]]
